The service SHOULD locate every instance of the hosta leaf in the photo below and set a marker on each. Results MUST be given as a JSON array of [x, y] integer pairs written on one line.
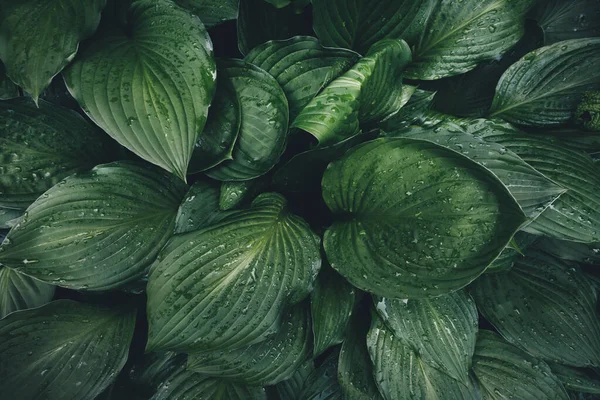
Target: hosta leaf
[[8, 89], [235, 194], [96, 230], [20, 292], [545, 306], [264, 122], [400, 373], [511, 253], [41, 146], [418, 220], [544, 87], [533, 191], [505, 372], [212, 12], [73, 350], [579, 379], [588, 253], [564, 19], [189, 385], [322, 383], [370, 91], [302, 66], [265, 363], [151, 88], [38, 38], [289, 389], [8, 217], [225, 286], [415, 108], [331, 304], [440, 330], [199, 208], [153, 369]]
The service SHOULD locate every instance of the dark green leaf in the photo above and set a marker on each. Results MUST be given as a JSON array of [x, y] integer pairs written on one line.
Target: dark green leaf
[[8, 217], [8, 89], [63, 350], [322, 383], [150, 89], [289, 389], [588, 253], [225, 286], [96, 230], [234, 194], [199, 208], [38, 38], [153, 369], [512, 253], [417, 106], [212, 12], [417, 220], [568, 19], [20, 292], [578, 379]]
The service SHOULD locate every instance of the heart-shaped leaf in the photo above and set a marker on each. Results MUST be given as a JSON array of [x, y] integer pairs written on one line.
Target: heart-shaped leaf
[[20, 292], [38, 38], [212, 12], [73, 350], [39, 146], [152, 86], [416, 220], [96, 230], [546, 85], [225, 286]]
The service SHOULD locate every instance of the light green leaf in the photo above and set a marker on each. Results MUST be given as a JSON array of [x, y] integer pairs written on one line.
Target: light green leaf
[[20, 292], [400, 373], [225, 286], [265, 363], [289, 389], [96, 230], [417, 220], [567, 19], [151, 88], [545, 306], [578, 379], [199, 208], [264, 122], [331, 306], [41, 146], [302, 66], [545, 86], [38, 38], [212, 12], [505, 372], [63, 350], [369, 92]]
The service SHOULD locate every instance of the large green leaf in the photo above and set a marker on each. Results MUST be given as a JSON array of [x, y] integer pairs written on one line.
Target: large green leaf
[[331, 305], [579, 379], [400, 372], [41, 146], [545, 306], [265, 363], [441, 330], [96, 230], [199, 208], [302, 66], [63, 350], [414, 219], [225, 286], [369, 92], [20, 292], [38, 38], [212, 12], [546, 85], [505, 372], [152, 86], [567, 19], [264, 122]]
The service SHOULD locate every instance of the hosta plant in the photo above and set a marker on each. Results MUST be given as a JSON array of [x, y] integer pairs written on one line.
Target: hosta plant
[[296, 200]]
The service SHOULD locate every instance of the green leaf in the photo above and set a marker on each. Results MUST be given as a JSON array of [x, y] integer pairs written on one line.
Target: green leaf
[[8, 89], [91, 231], [225, 286], [533, 191], [400, 373], [415, 108], [546, 85], [588, 253], [265, 363], [510, 254], [235, 194], [8, 217], [564, 20], [151, 88], [546, 307], [302, 66], [369, 92], [216, 142], [153, 369], [417, 220], [289, 389], [212, 12], [73, 350], [38, 38], [199, 208], [505, 372], [264, 122], [41, 146], [322, 383], [190, 385], [331, 306], [578, 379], [20, 292]]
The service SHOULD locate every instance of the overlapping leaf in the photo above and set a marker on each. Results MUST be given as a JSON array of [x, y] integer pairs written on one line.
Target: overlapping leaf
[[414, 218], [225, 286], [212, 12], [199, 208], [322, 383], [151, 88], [20, 292], [96, 230]]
